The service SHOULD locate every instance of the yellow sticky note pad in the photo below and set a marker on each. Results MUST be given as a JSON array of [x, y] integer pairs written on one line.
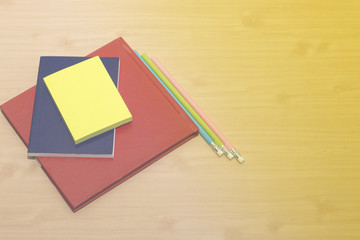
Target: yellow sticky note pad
[[87, 99]]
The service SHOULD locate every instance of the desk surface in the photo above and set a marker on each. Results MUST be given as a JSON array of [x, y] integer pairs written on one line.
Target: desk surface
[[279, 78]]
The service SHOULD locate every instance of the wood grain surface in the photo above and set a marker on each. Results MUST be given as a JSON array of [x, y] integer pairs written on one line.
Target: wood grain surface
[[279, 78]]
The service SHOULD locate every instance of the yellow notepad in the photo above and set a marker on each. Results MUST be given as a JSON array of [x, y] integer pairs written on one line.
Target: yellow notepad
[[87, 99]]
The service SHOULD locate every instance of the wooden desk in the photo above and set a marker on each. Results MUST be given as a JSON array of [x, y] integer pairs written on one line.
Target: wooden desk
[[279, 78]]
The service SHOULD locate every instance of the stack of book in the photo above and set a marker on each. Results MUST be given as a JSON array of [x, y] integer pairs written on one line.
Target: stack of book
[[92, 122]]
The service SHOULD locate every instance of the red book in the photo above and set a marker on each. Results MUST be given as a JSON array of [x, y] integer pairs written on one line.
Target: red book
[[159, 126]]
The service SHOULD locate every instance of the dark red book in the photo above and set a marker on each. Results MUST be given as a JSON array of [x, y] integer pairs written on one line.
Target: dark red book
[[159, 126]]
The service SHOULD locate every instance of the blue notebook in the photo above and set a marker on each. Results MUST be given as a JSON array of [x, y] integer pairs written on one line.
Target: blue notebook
[[49, 135]]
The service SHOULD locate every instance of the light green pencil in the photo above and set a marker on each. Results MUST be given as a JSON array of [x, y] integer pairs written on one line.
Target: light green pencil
[[182, 100]]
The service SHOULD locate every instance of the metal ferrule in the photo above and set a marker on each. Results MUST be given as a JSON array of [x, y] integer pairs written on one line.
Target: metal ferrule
[[227, 153], [216, 149], [237, 155]]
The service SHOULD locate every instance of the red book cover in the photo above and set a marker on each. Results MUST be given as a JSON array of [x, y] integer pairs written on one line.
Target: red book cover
[[159, 126]]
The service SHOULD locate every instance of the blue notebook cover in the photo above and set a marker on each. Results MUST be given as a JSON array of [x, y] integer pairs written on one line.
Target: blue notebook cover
[[49, 135]]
